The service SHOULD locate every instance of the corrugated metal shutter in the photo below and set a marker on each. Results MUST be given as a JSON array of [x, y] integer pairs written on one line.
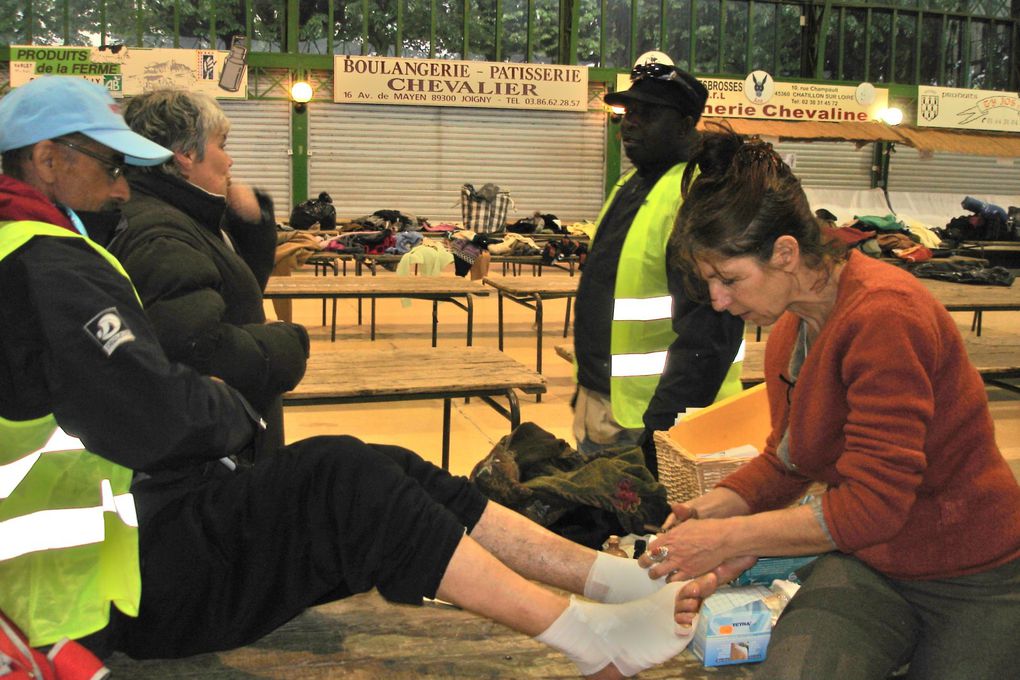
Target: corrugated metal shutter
[[259, 143], [829, 165], [952, 173], [415, 159]]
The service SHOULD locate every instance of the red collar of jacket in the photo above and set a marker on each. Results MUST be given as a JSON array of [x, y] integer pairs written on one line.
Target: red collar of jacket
[[21, 201]]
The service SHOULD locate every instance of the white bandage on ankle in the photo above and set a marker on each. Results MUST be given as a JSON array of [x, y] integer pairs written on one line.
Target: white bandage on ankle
[[639, 634], [632, 636], [572, 636], [615, 579]]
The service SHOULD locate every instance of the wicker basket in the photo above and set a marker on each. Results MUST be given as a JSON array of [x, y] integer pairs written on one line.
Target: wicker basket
[[683, 474]]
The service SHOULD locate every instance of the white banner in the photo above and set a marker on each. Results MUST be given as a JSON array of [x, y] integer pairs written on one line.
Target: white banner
[[759, 96], [442, 82], [947, 107], [130, 71]]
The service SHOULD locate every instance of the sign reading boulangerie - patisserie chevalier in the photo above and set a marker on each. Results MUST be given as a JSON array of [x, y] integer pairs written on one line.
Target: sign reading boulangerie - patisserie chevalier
[[443, 82]]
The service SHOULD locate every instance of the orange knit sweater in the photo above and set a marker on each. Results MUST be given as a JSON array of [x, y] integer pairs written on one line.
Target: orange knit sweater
[[891, 415]]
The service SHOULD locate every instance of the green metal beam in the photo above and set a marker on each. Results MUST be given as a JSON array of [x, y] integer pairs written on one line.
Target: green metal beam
[[291, 35], [299, 154], [823, 30]]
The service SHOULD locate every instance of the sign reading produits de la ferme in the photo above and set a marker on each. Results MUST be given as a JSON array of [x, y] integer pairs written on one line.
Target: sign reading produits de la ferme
[[134, 70], [443, 82]]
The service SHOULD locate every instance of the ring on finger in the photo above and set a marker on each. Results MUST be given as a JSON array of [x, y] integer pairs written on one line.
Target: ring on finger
[[659, 554]]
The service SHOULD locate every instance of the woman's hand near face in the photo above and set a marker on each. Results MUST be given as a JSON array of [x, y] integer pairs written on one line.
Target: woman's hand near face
[[242, 201]]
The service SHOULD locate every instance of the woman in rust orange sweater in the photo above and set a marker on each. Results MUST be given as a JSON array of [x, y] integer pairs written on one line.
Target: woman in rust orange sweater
[[871, 393]]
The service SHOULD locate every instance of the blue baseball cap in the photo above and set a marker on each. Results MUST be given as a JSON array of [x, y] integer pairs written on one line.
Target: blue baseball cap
[[52, 106]]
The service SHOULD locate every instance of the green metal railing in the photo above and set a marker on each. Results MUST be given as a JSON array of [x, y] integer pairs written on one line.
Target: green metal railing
[[885, 42]]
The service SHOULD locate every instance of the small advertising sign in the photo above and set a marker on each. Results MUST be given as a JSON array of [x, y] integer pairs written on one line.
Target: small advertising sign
[[759, 96], [947, 107], [130, 71], [442, 82]]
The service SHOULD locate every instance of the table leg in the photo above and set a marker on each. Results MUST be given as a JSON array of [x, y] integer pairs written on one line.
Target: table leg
[[538, 342], [435, 321], [499, 308], [446, 434], [372, 330], [332, 332], [566, 320], [470, 319]]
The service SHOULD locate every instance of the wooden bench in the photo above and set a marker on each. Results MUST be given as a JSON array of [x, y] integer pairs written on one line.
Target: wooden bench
[[438, 289], [356, 377], [532, 293], [962, 297], [514, 263]]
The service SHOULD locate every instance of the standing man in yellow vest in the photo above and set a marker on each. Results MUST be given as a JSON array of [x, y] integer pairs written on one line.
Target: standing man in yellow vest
[[124, 520], [644, 351]]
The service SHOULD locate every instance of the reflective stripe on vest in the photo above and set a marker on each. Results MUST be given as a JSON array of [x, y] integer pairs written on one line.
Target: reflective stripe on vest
[[69, 528], [11, 474], [653, 363], [629, 365], [643, 309]]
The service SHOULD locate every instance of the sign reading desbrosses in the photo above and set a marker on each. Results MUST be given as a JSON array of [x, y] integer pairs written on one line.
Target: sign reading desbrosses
[[759, 96], [442, 82]]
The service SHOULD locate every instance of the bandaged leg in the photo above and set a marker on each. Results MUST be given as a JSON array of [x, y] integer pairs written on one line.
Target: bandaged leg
[[614, 579], [632, 636]]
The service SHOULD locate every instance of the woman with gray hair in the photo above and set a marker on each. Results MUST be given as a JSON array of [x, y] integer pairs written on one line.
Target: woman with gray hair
[[199, 249]]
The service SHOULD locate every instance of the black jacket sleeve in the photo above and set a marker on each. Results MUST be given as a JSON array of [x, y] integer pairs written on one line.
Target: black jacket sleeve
[[180, 286], [109, 382], [706, 344], [256, 242]]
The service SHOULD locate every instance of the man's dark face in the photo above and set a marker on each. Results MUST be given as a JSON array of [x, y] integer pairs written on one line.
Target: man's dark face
[[655, 136]]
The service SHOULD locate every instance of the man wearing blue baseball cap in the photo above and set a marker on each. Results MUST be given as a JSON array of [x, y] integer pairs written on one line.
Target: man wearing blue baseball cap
[[644, 350], [117, 466]]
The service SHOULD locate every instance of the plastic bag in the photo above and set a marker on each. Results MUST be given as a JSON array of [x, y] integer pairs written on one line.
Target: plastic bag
[[314, 211]]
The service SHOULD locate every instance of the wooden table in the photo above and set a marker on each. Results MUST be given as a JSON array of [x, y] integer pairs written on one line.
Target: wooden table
[[514, 263], [531, 293], [962, 297], [356, 377], [457, 291]]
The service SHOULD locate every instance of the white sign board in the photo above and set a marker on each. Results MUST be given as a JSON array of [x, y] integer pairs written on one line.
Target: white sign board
[[947, 107], [759, 96], [131, 70], [443, 82]]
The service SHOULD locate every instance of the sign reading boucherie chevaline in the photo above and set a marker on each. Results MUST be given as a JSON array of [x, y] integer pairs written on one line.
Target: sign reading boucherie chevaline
[[947, 107], [759, 96], [442, 82]]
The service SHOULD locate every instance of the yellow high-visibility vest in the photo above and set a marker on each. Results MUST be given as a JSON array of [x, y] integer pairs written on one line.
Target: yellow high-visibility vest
[[642, 328], [68, 527]]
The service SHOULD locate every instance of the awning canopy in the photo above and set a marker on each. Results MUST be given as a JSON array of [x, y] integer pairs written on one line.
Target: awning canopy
[[1003, 144], [848, 131], [925, 140]]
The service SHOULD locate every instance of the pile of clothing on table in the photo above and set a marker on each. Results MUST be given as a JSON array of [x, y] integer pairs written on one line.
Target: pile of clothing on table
[[884, 235], [389, 232], [986, 222]]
